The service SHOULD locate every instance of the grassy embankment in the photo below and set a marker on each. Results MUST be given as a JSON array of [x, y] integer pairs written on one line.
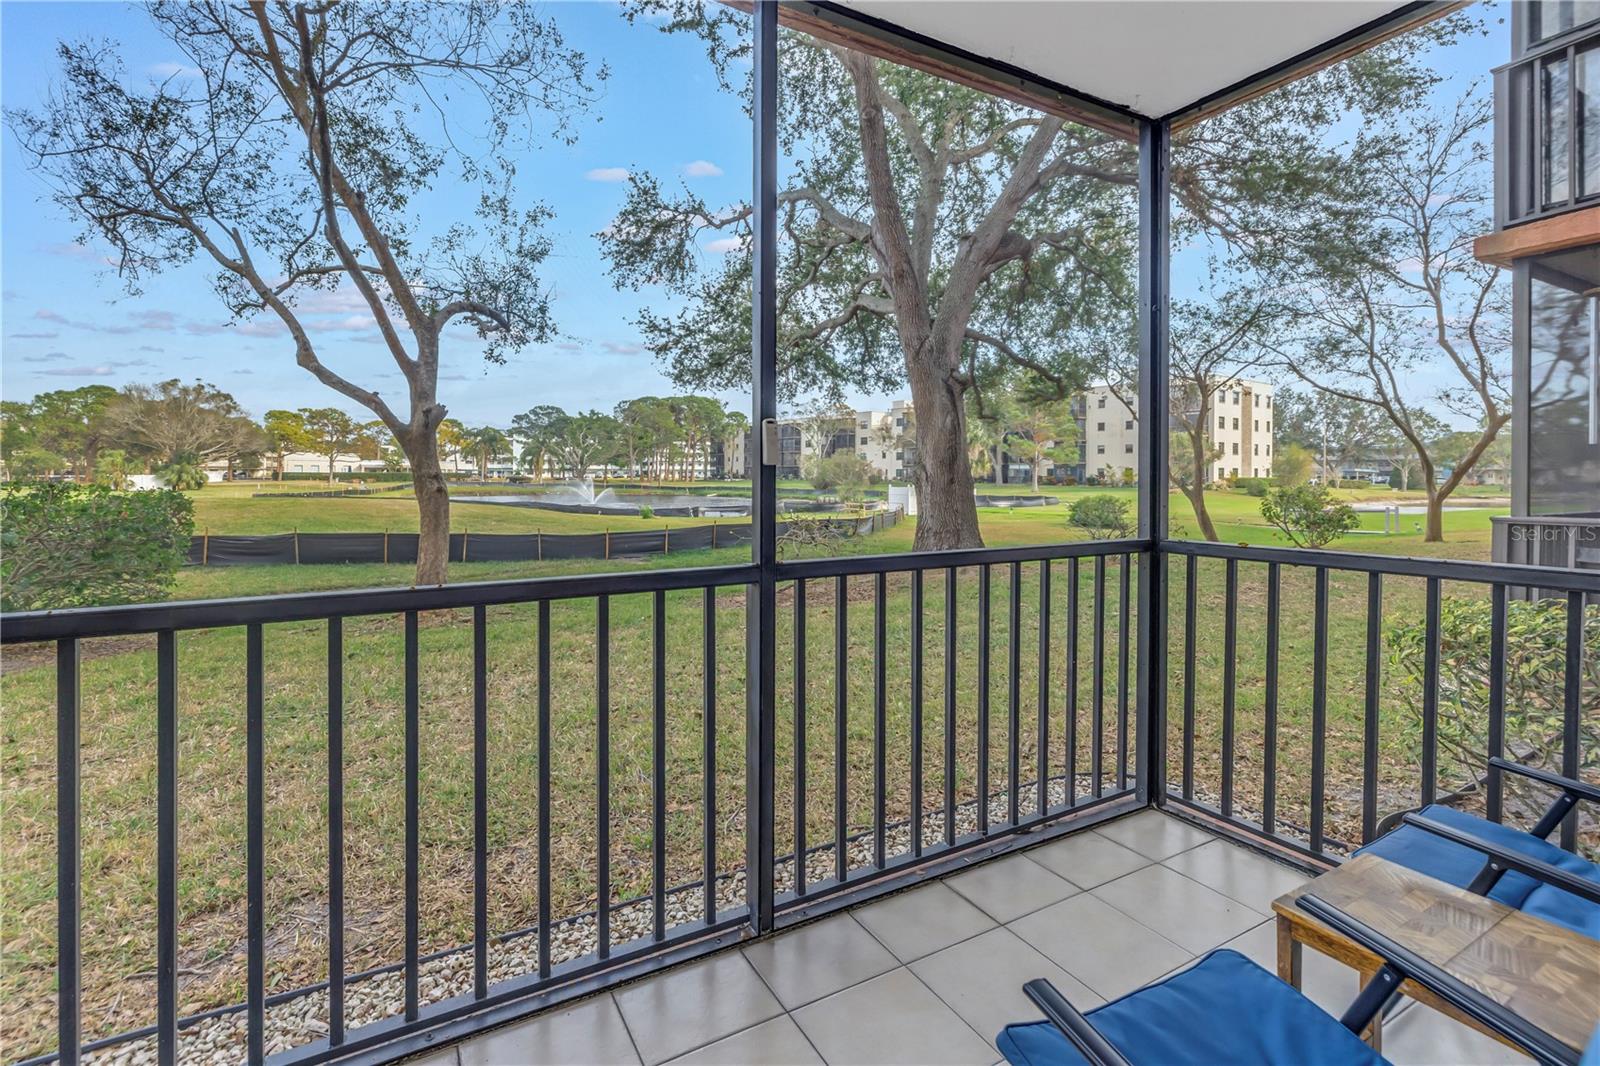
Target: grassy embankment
[[119, 757]]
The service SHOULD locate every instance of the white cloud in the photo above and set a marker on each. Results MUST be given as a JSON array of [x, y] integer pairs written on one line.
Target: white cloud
[[48, 357], [725, 244], [343, 300], [608, 174], [104, 370], [619, 348], [700, 168]]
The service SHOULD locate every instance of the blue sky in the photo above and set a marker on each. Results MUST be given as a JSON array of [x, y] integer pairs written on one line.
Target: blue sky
[[67, 322]]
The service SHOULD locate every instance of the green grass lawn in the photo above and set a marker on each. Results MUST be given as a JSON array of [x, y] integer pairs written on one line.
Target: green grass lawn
[[119, 733]]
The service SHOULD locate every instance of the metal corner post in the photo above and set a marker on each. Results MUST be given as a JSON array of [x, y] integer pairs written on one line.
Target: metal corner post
[[1155, 253], [761, 608]]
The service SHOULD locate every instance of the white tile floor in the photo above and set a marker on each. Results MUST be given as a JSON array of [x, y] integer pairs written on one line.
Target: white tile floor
[[932, 974]]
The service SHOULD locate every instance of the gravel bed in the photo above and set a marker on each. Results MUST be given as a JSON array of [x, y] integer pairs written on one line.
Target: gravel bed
[[296, 1021]]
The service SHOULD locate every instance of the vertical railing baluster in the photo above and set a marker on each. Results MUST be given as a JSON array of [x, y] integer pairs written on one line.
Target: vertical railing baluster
[[335, 831], [1014, 698], [480, 801], [1571, 737], [708, 756], [69, 988], [1191, 599], [880, 719], [1230, 655], [1042, 770], [255, 849], [1269, 741], [658, 755], [167, 847], [1430, 695], [1072, 682], [1495, 800], [413, 731], [950, 706], [841, 724], [1123, 576], [800, 736], [602, 749], [1098, 731], [1319, 707], [1370, 722], [916, 713], [985, 582], [543, 711]]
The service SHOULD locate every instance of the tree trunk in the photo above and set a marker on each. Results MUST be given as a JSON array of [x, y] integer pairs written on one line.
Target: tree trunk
[[947, 511], [1036, 466], [1196, 493], [1433, 532], [994, 471], [433, 508]]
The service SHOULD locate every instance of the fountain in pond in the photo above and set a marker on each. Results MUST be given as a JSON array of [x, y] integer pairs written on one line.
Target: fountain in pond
[[581, 491], [579, 494]]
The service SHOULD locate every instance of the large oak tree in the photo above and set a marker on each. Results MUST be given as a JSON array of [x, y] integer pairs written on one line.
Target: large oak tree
[[935, 237], [296, 160]]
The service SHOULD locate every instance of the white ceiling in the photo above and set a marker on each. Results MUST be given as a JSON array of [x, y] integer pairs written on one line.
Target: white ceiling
[[1152, 56]]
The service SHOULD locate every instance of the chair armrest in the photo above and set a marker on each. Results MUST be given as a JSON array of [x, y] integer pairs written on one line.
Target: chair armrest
[[1537, 869], [1579, 789], [1089, 1041], [1458, 994]]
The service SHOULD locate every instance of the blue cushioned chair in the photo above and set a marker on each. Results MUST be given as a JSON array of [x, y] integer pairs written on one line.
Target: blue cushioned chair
[[1520, 869], [1226, 1009]]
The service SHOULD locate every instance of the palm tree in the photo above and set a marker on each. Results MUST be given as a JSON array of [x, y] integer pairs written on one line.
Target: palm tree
[[486, 444]]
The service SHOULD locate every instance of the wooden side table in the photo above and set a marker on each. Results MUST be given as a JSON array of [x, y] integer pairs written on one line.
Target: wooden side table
[[1545, 973]]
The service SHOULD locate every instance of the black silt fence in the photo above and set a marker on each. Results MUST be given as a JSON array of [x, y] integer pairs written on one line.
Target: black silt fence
[[319, 548]]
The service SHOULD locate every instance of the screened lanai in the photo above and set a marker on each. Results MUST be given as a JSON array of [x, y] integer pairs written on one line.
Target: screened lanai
[[836, 806]]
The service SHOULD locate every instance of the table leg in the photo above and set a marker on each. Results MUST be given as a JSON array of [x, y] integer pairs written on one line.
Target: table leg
[[1288, 953], [1374, 1034]]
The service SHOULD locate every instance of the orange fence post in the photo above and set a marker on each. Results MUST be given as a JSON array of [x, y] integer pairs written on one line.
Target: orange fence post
[[297, 547], [608, 544], [205, 545], [666, 540]]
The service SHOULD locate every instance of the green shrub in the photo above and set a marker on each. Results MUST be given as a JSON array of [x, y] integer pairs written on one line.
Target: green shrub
[[1105, 517], [1308, 515], [1254, 486], [646, 511], [67, 545], [184, 473], [1535, 672]]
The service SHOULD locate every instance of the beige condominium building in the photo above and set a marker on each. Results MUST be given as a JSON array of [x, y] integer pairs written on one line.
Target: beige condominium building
[[885, 440], [1239, 425]]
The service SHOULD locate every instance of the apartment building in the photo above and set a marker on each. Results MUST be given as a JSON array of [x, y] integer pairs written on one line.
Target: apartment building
[[885, 440], [1239, 423]]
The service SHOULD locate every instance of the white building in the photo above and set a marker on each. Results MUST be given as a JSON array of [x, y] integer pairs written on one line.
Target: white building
[[885, 440], [1239, 423]]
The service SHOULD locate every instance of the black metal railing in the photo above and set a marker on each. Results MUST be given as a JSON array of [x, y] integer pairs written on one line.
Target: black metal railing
[[1384, 721], [977, 700], [69, 630], [1038, 778], [1025, 768]]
